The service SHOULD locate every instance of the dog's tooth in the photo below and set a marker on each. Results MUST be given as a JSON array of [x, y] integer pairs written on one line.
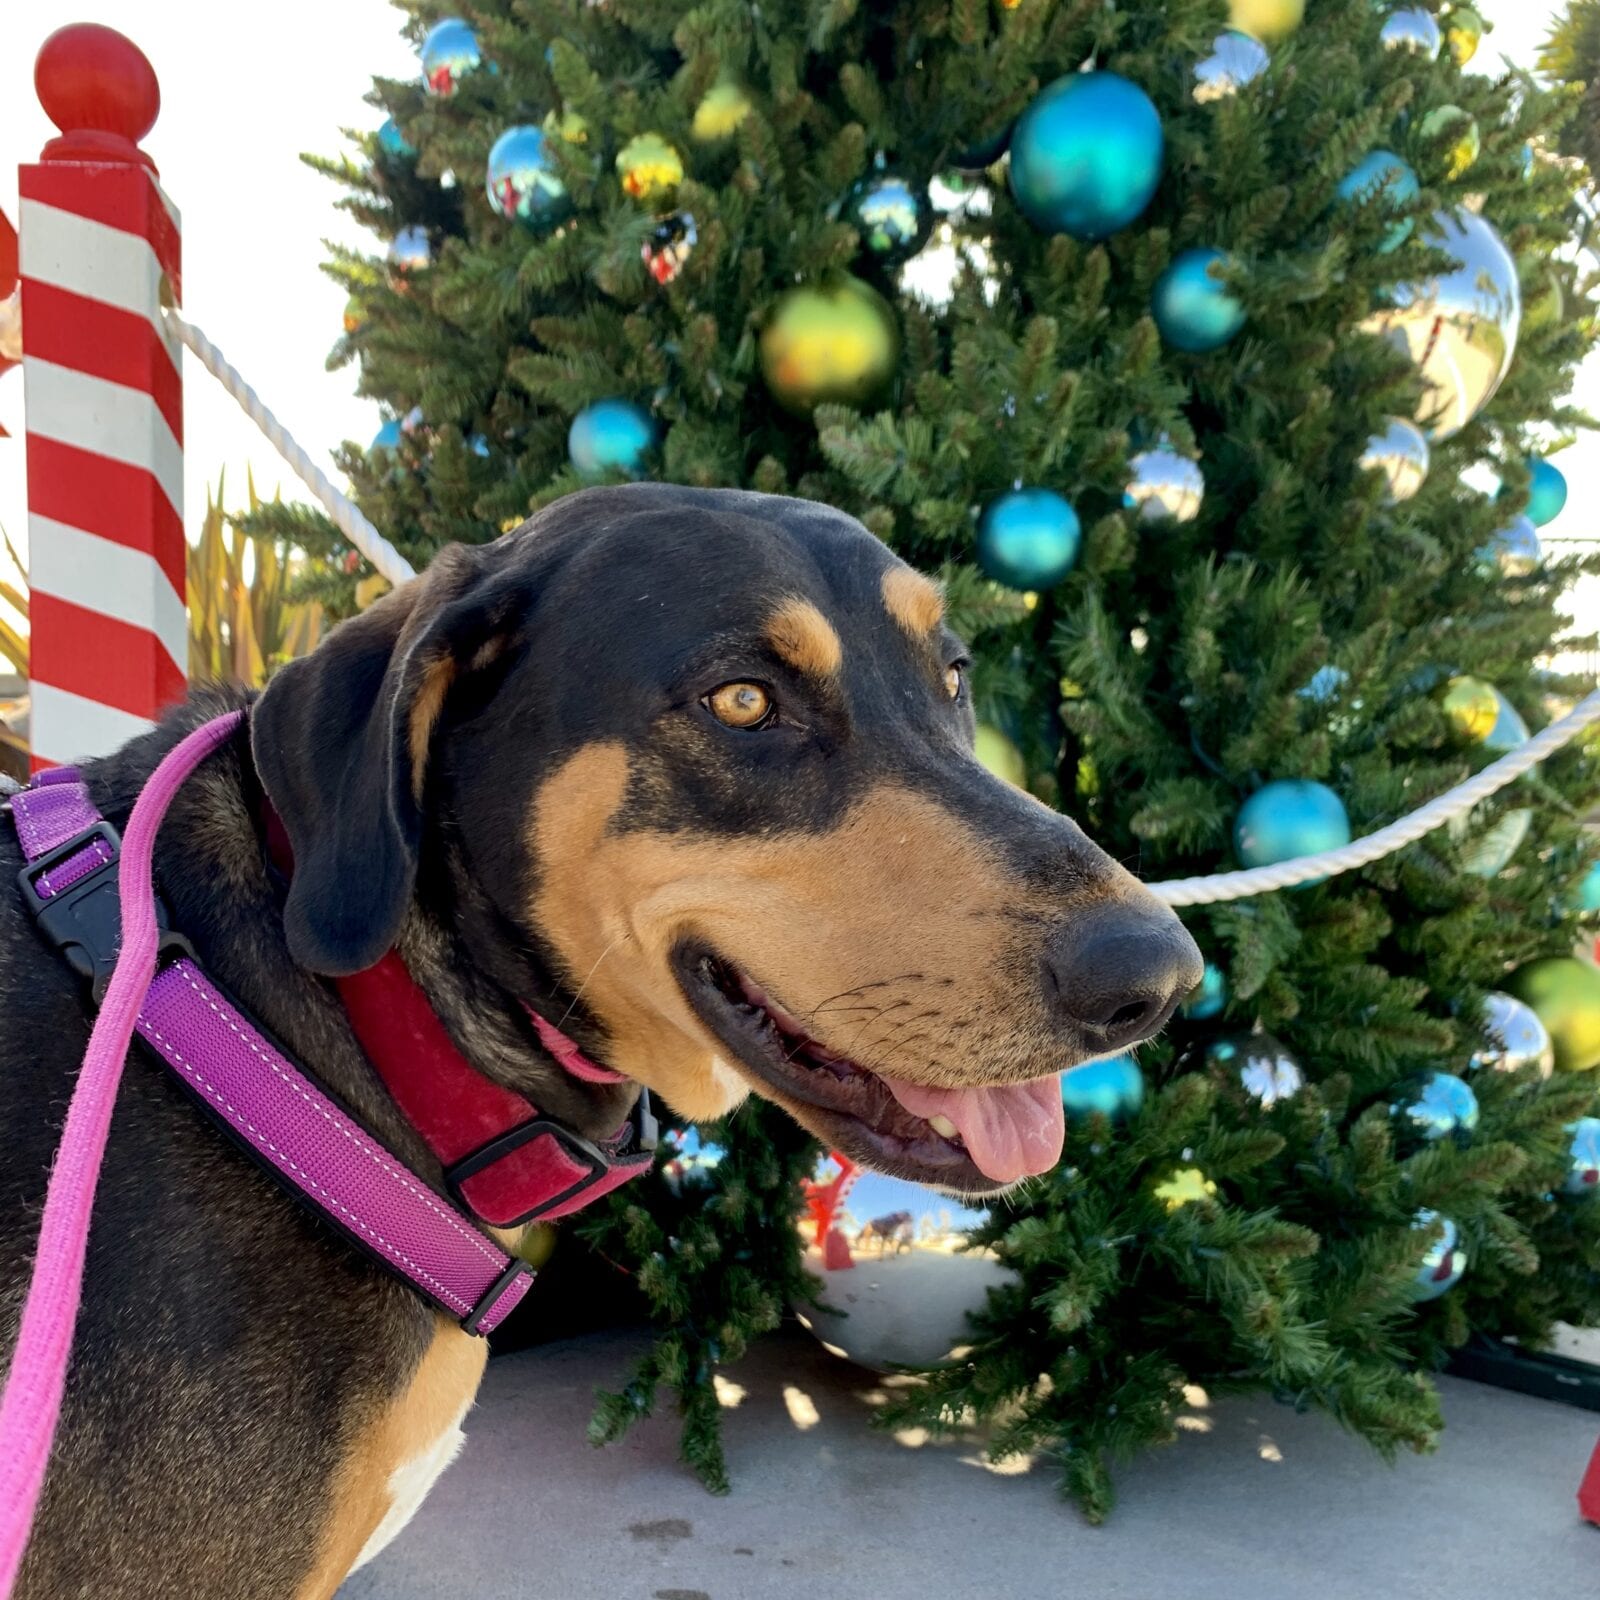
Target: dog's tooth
[[944, 1127]]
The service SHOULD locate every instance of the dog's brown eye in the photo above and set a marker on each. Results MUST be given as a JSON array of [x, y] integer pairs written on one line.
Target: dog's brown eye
[[740, 705], [953, 678]]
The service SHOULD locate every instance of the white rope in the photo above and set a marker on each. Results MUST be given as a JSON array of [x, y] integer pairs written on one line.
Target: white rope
[[1175, 891], [346, 515], [1361, 852]]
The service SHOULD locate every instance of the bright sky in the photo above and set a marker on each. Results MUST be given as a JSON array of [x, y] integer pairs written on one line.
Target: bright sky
[[243, 93]]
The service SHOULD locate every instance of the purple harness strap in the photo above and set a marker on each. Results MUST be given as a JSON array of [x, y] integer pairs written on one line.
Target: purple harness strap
[[263, 1099]]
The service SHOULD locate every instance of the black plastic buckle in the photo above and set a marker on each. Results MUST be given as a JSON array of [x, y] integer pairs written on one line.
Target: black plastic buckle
[[584, 1151], [84, 920], [490, 1298]]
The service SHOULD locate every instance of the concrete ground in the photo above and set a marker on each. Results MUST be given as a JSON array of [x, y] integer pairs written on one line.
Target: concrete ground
[[1253, 1503]]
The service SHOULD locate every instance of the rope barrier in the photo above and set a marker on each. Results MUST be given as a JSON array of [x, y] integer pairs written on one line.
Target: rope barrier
[[1208, 890], [344, 512]]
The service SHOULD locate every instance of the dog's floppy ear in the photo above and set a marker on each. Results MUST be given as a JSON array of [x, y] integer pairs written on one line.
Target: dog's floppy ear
[[340, 739]]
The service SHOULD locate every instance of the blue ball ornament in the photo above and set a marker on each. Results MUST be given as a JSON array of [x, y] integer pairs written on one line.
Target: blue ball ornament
[[610, 434], [449, 52], [1028, 539], [1289, 818], [1113, 1086], [394, 143], [1583, 1157], [1209, 996], [1443, 1106], [1193, 308], [1381, 177], [1547, 493], [1086, 155], [1441, 1267], [522, 182]]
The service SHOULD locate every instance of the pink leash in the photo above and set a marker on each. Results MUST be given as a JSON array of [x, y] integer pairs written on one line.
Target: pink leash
[[32, 1401]]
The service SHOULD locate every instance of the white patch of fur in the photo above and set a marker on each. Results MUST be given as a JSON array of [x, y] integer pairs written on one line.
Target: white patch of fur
[[409, 1484], [733, 1087]]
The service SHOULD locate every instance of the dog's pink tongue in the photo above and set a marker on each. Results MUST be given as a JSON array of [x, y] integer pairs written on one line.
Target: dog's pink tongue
[[1010, 1133]]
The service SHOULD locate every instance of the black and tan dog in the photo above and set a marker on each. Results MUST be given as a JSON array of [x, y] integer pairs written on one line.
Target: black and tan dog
[[688, 771]]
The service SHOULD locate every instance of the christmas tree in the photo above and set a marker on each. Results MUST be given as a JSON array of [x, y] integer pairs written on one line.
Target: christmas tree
[[1213, 372]]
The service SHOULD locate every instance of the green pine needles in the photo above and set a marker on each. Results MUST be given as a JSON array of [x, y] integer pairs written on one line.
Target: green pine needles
[[1149, 693]]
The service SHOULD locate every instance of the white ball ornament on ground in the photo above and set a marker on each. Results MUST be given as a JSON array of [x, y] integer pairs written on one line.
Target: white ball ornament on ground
[[1164, 486], [1513, 1038], [900, 1273], [1400, 453], [1460, 326]]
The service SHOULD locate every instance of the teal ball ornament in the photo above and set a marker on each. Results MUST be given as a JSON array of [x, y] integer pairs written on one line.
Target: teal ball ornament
[[1289, 818], [1584, 896], [984, 151], [1235, 60], [387, 437], [892, 216], [610, 435], [1413, 30], [1381, 178], [449, 52], [393, 143], [1086, 155], [1442, 1106], [1112, 1087], [1028, 539], [1443, 1262], [1583, 1157], [1209, 996], [1193, 308], [522, 183], [1547, 493]]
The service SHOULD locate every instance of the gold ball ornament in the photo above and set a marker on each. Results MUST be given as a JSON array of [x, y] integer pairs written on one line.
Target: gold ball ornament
[[1268, 20], [649, 167], [720, 112], [1472, 707], [1467, 144], [372, 587], [834, 341], [1565, 995], [996, 752], [567, 126], [1183, 1187], [537, 1245], [1463, 31]]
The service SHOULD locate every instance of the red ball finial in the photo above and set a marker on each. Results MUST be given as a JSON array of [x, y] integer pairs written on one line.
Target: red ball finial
[[101, 92]]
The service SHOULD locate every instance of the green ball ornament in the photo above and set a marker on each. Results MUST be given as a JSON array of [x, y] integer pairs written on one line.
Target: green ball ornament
[[836, 341], [999, 755], [1444, 1260], [449, 52], [1513, 1038], [1028, 539], [1472, 707], [1565, 993], [1464, 31], [522, 182], [1112, 1087], [1193, 308], [1287, 819], [1209, 996], [1235, 60], [1443, 1106], [1413, 30], [1488, 855], [1400, 453], [1269, 20], [1382, 178], [1583, 1157], [1086, 155], [1547, 491], [1467, 143], [892, 216], [611, 435]]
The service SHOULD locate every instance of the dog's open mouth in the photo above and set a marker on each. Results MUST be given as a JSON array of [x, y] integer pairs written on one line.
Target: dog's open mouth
[[975, 1140]]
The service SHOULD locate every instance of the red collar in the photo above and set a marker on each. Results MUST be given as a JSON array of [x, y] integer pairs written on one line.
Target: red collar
[[503, 1162]]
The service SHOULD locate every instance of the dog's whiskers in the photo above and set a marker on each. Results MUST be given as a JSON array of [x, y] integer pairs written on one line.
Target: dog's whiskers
[[578, 992]]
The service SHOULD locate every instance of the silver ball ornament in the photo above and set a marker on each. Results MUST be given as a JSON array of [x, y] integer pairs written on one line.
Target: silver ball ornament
[[1164, 486], [1515, 549], [1260, 1064], [1235, 60], [410, 249], [1583, 1157], [1442, 1106], [1444, 1260], [1513, 1038], [1411, 29], [1400, 453]]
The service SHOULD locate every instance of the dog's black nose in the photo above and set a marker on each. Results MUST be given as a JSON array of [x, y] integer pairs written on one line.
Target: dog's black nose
[[1115, 975]]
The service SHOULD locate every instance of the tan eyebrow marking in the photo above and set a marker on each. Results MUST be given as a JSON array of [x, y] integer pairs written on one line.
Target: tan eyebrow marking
[[803, 637], [915, 602]]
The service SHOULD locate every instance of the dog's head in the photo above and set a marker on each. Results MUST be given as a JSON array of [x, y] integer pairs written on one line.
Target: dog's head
[[705, 758]]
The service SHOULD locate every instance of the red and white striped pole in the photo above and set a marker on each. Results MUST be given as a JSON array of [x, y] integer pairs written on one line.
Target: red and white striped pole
[[103, 399]]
